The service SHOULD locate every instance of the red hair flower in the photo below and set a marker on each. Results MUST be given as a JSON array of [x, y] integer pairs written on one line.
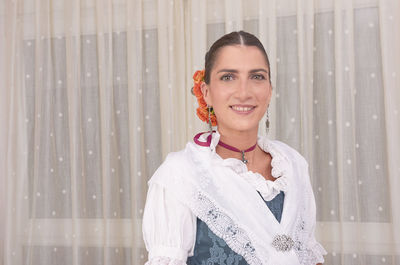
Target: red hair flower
[[202, 110]]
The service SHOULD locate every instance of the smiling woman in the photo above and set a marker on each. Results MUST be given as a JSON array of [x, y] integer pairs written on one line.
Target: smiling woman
[[239, 91], [232, 197]]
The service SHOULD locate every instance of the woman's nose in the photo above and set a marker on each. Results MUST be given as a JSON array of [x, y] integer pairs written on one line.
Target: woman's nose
[[243, 92]]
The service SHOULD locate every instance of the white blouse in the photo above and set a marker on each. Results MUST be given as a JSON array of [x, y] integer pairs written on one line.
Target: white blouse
[[197, 183]]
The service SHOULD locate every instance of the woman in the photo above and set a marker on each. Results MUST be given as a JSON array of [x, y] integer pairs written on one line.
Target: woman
[[232, 197]]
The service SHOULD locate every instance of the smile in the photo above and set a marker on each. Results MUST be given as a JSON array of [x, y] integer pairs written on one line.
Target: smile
[[242, 109]]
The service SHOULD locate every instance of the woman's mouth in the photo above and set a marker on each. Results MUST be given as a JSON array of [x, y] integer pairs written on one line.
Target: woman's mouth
[[242, 109]]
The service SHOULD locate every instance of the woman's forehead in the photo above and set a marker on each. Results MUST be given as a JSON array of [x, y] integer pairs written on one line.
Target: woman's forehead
[[240, 57]]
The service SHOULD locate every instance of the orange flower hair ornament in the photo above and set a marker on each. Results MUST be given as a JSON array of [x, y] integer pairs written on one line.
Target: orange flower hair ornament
[[202, 110]]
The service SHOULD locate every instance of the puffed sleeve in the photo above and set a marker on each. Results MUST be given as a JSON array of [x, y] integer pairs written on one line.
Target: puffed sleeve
[[169, 228]]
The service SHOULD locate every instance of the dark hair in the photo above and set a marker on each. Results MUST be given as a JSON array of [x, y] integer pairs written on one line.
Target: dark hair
[[233, 38]]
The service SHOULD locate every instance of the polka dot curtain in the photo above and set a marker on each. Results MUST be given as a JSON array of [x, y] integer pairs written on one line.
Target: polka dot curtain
[[94, 94]]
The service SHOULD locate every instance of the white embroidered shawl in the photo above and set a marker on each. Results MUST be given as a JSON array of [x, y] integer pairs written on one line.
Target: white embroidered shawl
[[223, 194]]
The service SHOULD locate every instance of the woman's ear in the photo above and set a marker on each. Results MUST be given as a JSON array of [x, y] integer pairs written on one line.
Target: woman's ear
[[205, 89]]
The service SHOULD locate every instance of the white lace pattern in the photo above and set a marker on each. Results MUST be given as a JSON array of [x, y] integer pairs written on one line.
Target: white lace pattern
[[224, 227], [307, 255], [164, 261]]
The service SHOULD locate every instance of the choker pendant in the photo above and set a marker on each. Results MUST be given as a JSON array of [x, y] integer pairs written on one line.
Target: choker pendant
[[244, 160]]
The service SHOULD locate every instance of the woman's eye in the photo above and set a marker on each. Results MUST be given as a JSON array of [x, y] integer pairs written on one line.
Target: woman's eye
[[258, 77], [228, 77]]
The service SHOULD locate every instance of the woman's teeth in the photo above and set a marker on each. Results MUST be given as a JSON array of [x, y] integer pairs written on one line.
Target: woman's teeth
[[237, 108]]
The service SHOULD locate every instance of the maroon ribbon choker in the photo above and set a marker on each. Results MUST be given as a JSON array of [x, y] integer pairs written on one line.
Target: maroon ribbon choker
[[224, 145]]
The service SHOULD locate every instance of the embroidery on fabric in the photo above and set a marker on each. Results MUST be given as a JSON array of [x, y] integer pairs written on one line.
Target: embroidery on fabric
[[217, 252], [224, 227], [301, 235], [212, 250], [164, 260]]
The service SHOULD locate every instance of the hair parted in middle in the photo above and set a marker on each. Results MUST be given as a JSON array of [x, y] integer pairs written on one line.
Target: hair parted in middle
[[230, 39]]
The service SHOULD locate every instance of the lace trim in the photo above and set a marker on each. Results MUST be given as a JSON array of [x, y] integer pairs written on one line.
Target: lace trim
[[224, 227], [268, 189], [164, 261], [311, 256], [278, 163], [307, 255]]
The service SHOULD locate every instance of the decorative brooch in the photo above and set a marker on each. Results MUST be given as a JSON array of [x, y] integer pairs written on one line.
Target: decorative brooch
[[283, 243]]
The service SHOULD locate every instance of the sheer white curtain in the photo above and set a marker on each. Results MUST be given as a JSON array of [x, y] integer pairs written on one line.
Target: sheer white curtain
[[94, 94], [81, 129]]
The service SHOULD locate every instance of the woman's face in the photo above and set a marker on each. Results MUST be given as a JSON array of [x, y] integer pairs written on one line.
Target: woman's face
[[239, 89]]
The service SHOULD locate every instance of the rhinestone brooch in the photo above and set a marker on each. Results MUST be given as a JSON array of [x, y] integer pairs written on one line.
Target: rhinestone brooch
[[283, 243]]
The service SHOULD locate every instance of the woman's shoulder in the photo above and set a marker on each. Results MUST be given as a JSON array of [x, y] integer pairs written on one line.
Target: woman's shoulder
[[181, 157], [175, 164]]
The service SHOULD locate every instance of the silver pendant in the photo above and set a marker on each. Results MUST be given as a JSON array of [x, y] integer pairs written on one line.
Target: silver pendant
[[283, 243], [244, 160]]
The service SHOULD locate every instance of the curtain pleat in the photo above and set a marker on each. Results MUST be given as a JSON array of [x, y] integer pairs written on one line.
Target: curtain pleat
[[390, 39], [137, 170]]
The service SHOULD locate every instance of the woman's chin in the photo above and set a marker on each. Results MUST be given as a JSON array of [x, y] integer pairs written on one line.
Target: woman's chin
[[241, 126]]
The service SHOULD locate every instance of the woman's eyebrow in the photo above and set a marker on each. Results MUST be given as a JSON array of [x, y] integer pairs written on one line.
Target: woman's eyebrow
[[228, 70], [236, 71], [258, 70]]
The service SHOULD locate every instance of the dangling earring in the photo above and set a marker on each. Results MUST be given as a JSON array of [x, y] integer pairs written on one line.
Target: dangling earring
[[267, 122], [209, 118]]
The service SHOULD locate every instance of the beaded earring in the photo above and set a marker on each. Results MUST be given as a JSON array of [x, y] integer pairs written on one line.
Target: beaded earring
[[267, 122], [209, 118]]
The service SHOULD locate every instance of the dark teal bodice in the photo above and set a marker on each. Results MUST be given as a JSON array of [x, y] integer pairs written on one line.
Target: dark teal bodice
[[212, 250]]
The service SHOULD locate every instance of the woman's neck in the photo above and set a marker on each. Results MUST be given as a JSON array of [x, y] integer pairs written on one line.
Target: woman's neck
[[239, 140]]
